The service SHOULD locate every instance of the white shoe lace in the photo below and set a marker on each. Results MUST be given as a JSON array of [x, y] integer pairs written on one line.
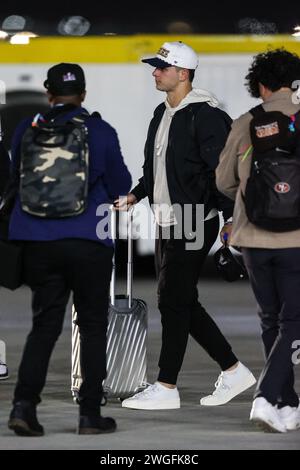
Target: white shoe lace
[[220, 385], [147, 392]]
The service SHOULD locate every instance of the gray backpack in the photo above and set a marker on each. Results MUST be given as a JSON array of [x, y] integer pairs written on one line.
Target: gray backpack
[[54, 168]]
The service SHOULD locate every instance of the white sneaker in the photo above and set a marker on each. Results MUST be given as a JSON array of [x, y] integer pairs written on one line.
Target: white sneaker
[[3, 371], [155, 397], [229, 385], [266, 416], [290, 417]]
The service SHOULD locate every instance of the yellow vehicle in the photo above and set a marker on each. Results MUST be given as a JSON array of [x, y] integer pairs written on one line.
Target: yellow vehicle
[[119, 86]]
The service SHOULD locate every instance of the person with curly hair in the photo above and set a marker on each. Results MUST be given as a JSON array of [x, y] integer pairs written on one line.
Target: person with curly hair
[[272, 259], [274, 70]]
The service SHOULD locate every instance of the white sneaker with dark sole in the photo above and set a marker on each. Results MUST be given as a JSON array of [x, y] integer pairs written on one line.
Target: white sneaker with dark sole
[[229, 385], [266, 416], [154, 397]]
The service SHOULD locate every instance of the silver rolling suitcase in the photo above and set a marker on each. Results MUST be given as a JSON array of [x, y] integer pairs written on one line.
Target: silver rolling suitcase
[[126, 337]]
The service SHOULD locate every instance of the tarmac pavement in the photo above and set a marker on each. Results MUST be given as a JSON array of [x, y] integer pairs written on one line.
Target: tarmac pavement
[[191, 427]]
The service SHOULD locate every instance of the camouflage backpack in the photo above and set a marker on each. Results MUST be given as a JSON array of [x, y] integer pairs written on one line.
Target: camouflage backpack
[[54, 168]]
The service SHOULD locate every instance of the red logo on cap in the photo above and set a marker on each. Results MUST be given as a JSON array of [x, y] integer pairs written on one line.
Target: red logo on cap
[[282, 187]]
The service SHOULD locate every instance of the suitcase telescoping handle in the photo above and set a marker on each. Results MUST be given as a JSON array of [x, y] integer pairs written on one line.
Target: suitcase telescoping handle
[[129, 257]]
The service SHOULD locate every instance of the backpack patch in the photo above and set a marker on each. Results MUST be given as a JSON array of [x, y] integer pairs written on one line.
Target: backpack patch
[[272, 195]]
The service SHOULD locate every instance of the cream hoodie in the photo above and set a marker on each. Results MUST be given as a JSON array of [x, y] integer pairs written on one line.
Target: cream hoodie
[[163, 212]]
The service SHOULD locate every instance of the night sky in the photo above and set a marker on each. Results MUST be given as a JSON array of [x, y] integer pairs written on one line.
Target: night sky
[[160, 17]]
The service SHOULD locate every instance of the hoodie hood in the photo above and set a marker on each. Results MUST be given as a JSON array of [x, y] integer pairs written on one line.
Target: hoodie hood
[[196, 95]]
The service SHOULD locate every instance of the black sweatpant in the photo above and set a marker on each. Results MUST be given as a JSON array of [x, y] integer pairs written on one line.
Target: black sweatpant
[[52, 270], [275, 280], [178, 272]]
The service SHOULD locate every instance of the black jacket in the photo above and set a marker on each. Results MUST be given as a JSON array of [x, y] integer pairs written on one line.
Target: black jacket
[[4, 168], [197, 136]]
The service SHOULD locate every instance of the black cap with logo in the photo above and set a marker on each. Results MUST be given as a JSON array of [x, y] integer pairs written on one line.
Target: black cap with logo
[[65, 80]]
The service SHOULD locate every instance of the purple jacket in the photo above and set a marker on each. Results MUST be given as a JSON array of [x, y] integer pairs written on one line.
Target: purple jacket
[[108, 179]]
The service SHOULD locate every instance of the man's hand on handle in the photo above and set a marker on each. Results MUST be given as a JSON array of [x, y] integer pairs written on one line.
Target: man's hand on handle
[[226, 233], [125, 202]]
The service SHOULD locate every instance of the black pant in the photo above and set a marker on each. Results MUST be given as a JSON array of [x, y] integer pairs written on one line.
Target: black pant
[[52, 270], [275, 279], [178, 272]]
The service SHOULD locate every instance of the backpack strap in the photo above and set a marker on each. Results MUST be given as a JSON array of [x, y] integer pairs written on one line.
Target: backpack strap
[[80, 118], [257, 111]]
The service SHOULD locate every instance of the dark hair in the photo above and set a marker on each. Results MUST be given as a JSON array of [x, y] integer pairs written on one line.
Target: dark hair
[[191, 72], [274, 69], [191, 75]]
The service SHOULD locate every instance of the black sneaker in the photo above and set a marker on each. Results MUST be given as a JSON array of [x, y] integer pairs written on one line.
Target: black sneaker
[[23, 420], [96, 425]]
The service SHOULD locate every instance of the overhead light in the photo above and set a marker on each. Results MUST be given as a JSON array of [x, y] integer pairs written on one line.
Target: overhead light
[[14, 23], [22, 37], [179, 27], [296, 34], [3, 35], [19, 39], [254, 26], [73, 26]]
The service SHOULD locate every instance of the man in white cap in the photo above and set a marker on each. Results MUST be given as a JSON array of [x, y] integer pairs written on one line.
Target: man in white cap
[[185, 138]]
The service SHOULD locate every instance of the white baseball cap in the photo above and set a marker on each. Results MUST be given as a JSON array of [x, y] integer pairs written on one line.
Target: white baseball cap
[[174, 53]]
